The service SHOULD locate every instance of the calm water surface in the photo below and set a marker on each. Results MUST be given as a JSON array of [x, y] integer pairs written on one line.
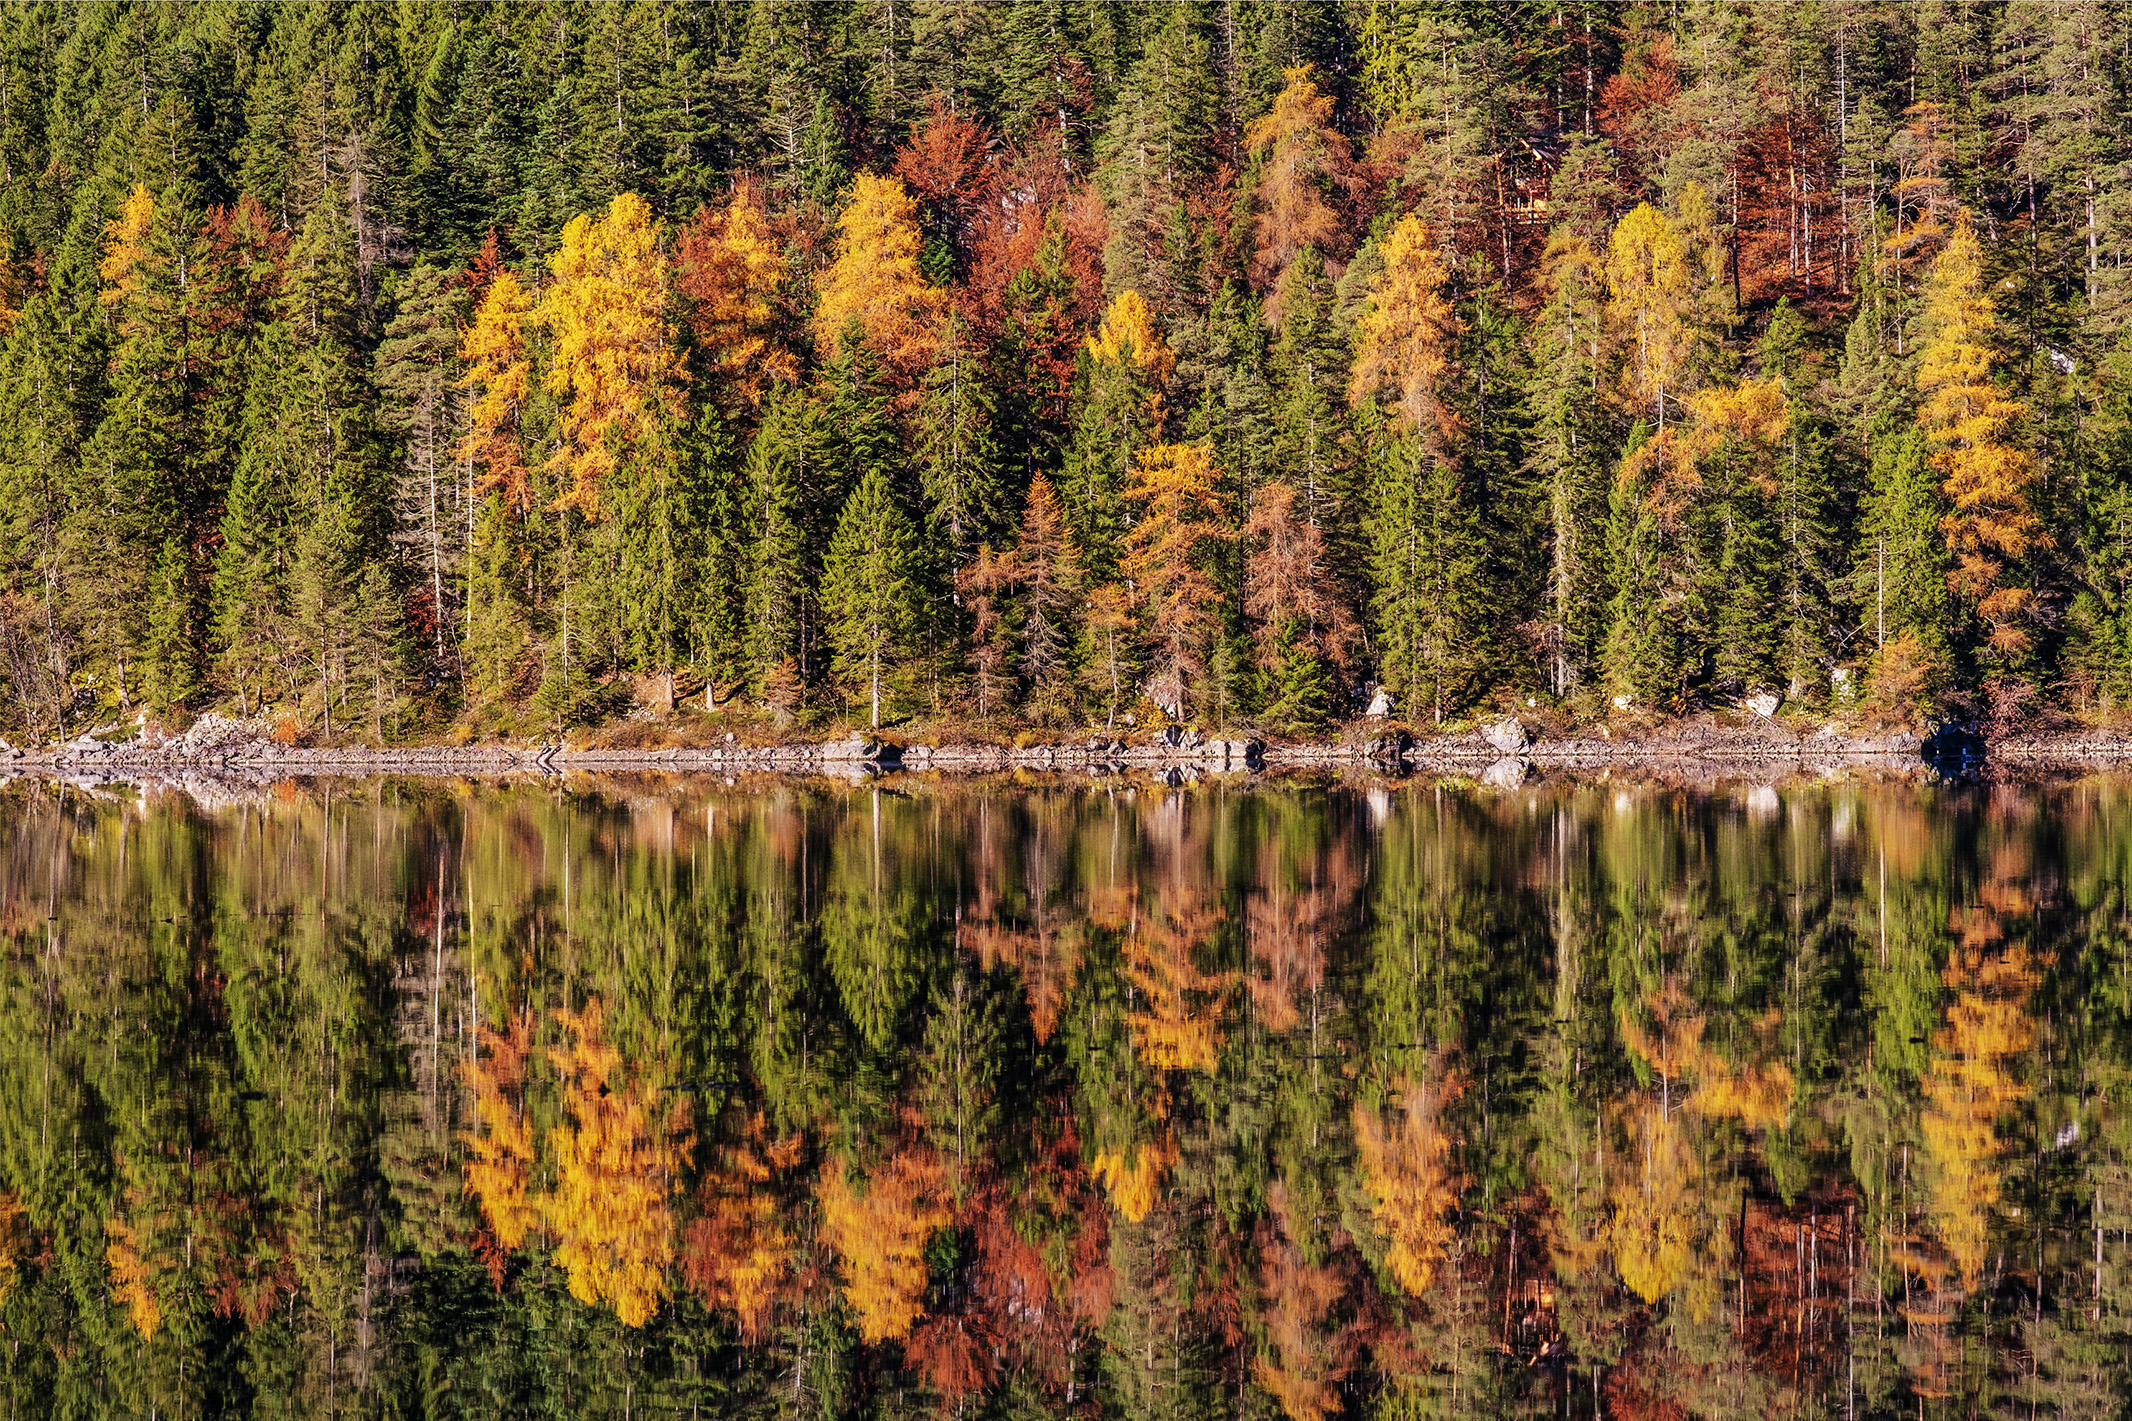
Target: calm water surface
[[1006, 1100]]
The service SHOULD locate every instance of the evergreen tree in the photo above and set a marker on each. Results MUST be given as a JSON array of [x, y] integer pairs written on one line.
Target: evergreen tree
[[870, 588]]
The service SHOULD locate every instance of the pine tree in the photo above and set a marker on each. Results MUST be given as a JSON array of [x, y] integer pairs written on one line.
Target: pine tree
[[1426, 559], [870, 591], [786, 474], [1311, 443], [417, 370]]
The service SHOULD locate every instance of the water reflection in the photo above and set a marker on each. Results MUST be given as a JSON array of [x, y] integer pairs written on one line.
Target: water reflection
[[1027, 1100]]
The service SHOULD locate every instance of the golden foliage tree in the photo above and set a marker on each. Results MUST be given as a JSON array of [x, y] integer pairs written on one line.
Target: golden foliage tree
[[500, 1152], [1165, 556], [1134, 1178], [1126, 337], [1650, 297], [880, 1234], [729, 270], [613, 351], [1408, 1176], [1404, 341], [875, 284], [499, 375], [1654, 1231], [1968, 423], [1988, 1030], [125, 240]]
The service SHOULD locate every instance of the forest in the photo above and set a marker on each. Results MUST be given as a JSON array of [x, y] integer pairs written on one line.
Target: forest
[[391, 370], [983, 1100]]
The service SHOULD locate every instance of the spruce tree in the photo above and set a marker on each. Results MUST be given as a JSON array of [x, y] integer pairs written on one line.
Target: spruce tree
[[870, 590]]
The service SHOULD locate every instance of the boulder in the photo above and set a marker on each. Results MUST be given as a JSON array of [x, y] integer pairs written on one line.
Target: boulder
[[1381, 703], [1764, 703], [858, 749], [1622, 703], [1506, 736]]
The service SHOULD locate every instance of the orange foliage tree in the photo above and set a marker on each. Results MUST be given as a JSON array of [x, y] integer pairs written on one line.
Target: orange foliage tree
[[1165, 560], [738, 1250], [499, 375], [1306, 159], [729, 273], [1967, 423]]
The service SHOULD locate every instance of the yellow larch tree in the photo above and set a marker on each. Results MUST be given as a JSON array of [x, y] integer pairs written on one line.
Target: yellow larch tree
[[498, 377], [1650, 297], [125, 240], [874, 282], [1408, 1176], [1126, 340], [617, 1159], [1406, 338], [1179, 519], [613, 350], [879, 1235], [1968, 422], [728, 267]]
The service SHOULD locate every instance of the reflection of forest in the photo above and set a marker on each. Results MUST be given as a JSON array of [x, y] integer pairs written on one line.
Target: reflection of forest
[[1001, 1101]]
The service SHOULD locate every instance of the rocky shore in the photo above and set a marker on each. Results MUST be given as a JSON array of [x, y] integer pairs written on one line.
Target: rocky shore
[[1507, 749]]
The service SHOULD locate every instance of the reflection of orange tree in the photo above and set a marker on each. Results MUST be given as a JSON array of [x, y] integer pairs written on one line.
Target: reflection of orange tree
[[134, 1257], [1406, 1168], [880, 1234], [1313, 1347], [1177, 1027], [1134, 1177], [615, 1157], [739, 1251], [1289, 925]]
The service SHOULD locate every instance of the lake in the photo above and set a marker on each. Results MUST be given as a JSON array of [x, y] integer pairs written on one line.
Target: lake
[[1030, 1098]]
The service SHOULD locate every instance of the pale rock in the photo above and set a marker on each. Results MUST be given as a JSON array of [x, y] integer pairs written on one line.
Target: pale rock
[[1623, 702], [1507, 735], [1764, 703], [1380, 704]]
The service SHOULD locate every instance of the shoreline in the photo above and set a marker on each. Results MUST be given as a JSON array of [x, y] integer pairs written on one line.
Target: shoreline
[[1501, 752]]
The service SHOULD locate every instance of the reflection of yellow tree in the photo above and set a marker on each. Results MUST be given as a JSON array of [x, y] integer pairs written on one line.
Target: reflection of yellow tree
[[615, 1163], [615, 1158], [880, 1236], [1970, 1084], [1406, 1167], [738, 1251], [1134, 1184], [1653, 1233], [1172, 1031], [130, 1256], [1757, 1095]]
